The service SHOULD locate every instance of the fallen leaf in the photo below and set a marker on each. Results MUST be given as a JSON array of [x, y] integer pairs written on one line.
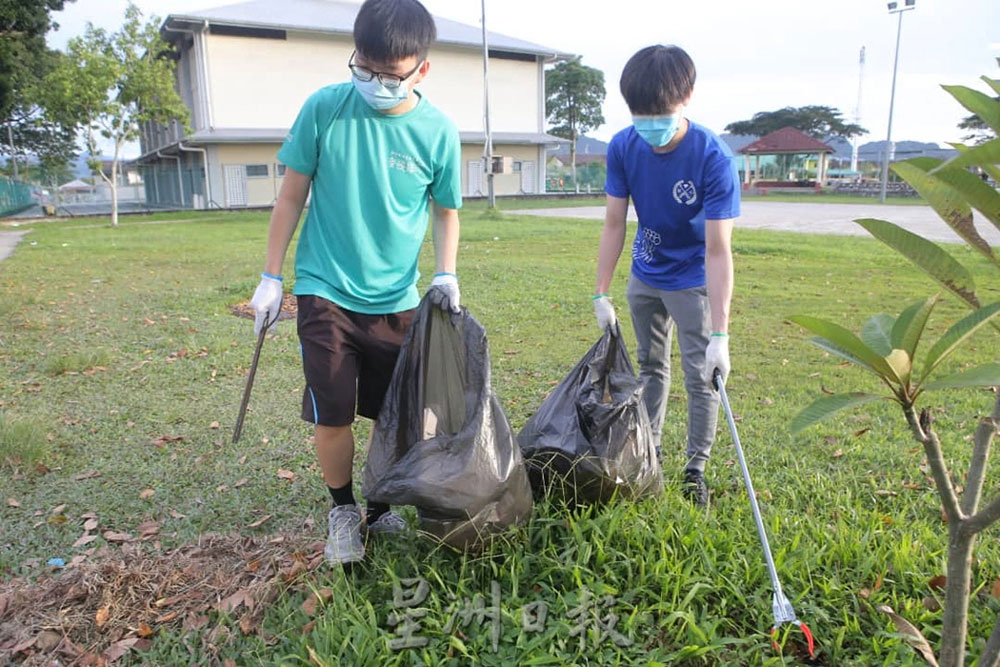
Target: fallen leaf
[[311, 605], [12, 503], [47, 640], [214, 425], [3, 604], [57, 519], [995, 592], [233, 602], [260, 521], [911, 485], [885, 492], [119, 648], [308, 627], [246, 624], [913, 636], [878, 582], [826, 391], [148, 528], [938, 582], [177, 515], [221, 487], [90, 524], [87, 475], [42, 469], [166, 618], [146, 494], [286, 474], [931, 604], [861, 432], [144, 630], [193, 622], [84, 540], [112, 536], [864, 593], [228, 662], [240, 483], [102, 616], [837, 454], [832, 440]]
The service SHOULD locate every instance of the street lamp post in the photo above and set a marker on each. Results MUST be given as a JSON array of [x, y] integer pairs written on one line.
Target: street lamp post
[[894, 8]]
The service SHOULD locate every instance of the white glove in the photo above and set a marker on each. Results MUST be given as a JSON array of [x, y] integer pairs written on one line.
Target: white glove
[[266, 302], [717, 356], [443, 291], [605, 312]]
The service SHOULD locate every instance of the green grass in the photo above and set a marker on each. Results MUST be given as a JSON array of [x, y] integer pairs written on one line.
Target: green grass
[[687, 588], [23, 442], [805, 198]]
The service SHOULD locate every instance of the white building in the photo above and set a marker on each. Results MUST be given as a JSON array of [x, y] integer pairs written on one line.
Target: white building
[[244, 71]]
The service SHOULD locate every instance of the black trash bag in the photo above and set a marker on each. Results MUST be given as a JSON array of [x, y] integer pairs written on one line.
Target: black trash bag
[[442, 441], [591, 436]]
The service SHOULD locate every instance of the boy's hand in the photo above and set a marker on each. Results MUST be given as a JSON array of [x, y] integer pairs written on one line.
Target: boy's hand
[[443, 292], [266, 302], [717, 356], [605, 311]]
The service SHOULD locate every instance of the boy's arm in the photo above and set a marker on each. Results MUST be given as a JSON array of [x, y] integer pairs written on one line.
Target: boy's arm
[[266, 301], [443, 291], [719, 271], [612, 241]]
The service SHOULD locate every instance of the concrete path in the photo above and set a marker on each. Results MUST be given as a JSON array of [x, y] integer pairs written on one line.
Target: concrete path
[[9, 241], [815, 218]]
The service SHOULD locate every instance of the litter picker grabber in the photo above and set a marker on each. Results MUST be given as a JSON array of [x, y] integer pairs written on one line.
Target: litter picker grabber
[[780, 605], [253, 371]]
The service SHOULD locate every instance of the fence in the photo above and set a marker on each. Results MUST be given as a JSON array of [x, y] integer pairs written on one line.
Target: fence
[[14, 196]]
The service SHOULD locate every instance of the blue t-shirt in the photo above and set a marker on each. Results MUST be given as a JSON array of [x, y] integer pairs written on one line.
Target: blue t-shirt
[[673, 193], [372, 175]]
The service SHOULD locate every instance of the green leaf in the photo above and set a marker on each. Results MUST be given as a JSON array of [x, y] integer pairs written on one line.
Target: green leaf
[[978, 103], [990, 169], [954, 337], [975, 191], [843, 340], [934, 261], [992, 83], [825, 406], [824, 344], [983, 154], [943, 198], [909, 326], [877, 333], [987, 375]]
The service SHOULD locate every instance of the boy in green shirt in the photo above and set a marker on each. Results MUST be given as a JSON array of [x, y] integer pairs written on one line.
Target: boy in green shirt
[[374, 152]]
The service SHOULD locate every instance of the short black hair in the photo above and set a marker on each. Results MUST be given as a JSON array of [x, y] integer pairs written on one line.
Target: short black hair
[[657, 79], [387, 31]]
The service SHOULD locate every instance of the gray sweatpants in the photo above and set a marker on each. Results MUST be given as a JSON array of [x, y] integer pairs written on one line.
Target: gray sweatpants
[[654, 313]]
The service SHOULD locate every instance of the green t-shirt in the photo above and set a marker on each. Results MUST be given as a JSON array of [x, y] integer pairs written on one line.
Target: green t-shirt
[[372, 175]]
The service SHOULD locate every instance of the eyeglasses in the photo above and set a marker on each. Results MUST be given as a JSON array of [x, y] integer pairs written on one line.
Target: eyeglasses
[[387, 79]]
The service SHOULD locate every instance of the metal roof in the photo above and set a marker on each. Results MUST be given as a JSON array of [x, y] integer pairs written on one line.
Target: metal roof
[[337, 16], [786, 140], [523, 138]]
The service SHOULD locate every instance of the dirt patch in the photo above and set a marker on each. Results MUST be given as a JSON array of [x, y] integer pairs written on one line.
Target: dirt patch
[[289, 309], [96, 612]]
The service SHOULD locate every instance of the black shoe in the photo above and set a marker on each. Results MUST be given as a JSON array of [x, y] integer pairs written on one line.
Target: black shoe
[[695, 489]]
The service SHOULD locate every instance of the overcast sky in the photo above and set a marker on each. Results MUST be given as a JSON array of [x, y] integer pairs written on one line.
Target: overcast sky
[[750, 56]]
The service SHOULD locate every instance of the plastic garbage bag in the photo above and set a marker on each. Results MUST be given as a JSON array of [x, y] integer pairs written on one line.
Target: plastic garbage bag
[[591, 436], [442, 441]]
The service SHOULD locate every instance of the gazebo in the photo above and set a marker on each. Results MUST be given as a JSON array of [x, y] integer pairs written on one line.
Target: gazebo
[[787, 141]]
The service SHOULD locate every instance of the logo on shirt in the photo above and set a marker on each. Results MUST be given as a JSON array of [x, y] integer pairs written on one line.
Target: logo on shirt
[[685, 192], [645, 245], [402, 162]]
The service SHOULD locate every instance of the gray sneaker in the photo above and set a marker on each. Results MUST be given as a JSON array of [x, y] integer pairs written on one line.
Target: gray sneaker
[[389, 523], [343, 544]]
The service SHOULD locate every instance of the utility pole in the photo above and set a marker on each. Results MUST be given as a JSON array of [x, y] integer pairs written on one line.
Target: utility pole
[[887, 154], [13, 160], [857, 109], [488, 149]]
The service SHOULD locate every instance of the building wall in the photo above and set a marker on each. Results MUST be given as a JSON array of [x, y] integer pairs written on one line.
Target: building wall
[[262, 83], [260, 190], [524, 158]]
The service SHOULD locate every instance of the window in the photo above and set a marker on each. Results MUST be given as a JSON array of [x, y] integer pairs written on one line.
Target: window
[[517, 166], [256, 170], [279, 169]]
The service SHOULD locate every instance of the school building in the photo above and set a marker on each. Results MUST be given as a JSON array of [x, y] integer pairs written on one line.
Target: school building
[[244, 71]]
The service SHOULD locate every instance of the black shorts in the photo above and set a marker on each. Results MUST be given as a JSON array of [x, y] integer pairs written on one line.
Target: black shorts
[[348, 359]]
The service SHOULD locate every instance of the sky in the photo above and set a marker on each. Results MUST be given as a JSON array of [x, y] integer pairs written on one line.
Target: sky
[[750, 56]]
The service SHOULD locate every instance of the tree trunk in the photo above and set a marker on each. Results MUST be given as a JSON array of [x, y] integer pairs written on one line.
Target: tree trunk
[[956, 595], [114, 204], [572, 159], [991, 654]]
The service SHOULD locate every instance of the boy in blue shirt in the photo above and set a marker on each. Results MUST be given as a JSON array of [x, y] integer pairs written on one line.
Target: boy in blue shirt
[[686, 192], [374, 152]]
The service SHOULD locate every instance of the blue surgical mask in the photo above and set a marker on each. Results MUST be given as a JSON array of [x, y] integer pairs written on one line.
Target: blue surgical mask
[[657, 130], [380, 97]]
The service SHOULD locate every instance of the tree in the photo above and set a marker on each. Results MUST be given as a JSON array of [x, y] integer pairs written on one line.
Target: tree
[[574, 94], [887, 348], [24, 62], [110, 84], [980, 131], [818, 122]]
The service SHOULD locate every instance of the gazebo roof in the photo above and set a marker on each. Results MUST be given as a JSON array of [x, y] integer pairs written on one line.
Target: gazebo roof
[[786, 140]]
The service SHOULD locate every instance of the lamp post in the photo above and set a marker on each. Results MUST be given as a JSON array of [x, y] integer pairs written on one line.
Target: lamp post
[[894, 8], [488, 148]]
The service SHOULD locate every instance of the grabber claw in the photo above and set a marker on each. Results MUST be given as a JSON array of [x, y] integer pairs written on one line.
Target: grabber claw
[[805, 631]]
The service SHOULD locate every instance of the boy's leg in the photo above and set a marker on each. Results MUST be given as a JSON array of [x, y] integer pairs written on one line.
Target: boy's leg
[[653, 332], [689, 309], [335, 453]]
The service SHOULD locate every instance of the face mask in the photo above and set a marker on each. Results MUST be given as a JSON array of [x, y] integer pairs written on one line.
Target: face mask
[[378, 96], [657, 130]]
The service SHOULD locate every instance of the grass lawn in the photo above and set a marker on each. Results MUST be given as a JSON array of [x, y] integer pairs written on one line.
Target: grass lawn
[[121, 372]]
